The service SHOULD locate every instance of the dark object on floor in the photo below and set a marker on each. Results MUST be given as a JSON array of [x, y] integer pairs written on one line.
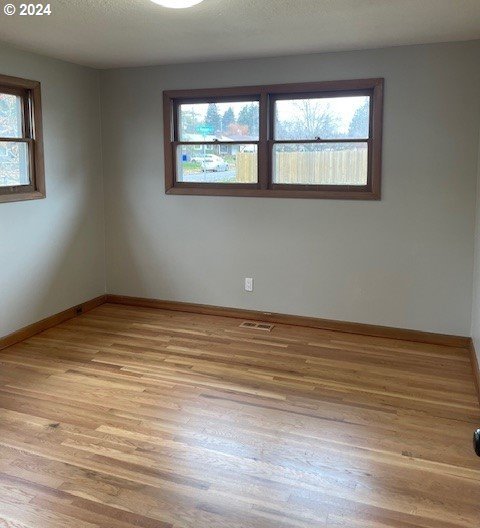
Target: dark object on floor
[[476, 441]]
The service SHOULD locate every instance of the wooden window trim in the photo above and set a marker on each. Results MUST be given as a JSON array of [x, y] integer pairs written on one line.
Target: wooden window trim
[[30, 91], [267, 95]]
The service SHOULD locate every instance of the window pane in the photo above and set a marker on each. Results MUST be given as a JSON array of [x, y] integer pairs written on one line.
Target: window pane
[[223, 121], [11, 116], [13, 164], [320, 163], [217, 163], [327, 118]]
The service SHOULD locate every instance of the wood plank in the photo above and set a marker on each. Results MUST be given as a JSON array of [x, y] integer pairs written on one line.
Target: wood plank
[[131, 416], [297, 320], [48, 322], [475, 367]]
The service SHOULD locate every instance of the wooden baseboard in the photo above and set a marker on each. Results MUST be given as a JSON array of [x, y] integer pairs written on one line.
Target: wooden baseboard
[[297, 320], [53, 320], [476, 367], [237, 313]]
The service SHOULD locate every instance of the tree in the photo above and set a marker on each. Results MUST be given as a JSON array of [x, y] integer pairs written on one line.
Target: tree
[[307, 119], [236, 130], [9, 115], [213, 118], [359, 124], [228, 118], [248, 117], [189, 120], [314, 119]]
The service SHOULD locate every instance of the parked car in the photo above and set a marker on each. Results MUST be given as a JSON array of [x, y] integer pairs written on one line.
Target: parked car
[[211, 162]]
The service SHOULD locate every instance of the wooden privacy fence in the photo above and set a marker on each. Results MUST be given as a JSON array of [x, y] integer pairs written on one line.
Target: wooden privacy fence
[[329, 167]]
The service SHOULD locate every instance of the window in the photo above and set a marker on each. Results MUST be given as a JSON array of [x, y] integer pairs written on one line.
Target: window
[[214, 139], [21, 143], [312, 140]]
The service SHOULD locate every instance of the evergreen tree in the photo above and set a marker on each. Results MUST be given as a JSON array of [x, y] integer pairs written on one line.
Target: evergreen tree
[[228, 119], [359, 124], [248, 117], [213, 118]]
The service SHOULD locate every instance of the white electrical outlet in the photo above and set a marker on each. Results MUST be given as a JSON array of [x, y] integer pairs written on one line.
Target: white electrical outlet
[[249, 284]]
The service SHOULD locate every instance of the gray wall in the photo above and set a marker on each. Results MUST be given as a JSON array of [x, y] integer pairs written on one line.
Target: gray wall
[[405, 261], [52, 251], [475, 330]]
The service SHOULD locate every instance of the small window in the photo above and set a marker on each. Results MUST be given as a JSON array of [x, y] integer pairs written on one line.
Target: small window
[[321, 140], [313, 140], [21, 144], [217, 142]]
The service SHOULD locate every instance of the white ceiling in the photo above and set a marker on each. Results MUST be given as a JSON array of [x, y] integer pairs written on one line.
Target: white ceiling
[[112, 33]]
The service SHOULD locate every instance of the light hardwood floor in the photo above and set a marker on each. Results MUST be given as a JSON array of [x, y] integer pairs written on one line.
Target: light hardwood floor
[[133, 417]]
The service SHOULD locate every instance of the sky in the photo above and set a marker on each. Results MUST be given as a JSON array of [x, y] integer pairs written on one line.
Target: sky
[[343, 107]]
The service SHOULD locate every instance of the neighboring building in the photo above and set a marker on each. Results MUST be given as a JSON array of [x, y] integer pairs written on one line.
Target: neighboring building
[[222, 149]]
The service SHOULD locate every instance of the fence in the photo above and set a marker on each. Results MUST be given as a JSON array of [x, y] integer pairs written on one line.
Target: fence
[[334, 167]]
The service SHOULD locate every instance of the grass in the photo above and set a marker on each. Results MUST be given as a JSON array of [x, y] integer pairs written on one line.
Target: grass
[[189, 167]]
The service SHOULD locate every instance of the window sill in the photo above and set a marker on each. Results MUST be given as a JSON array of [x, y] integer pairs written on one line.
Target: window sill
[[22, 196], [363, 194]]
